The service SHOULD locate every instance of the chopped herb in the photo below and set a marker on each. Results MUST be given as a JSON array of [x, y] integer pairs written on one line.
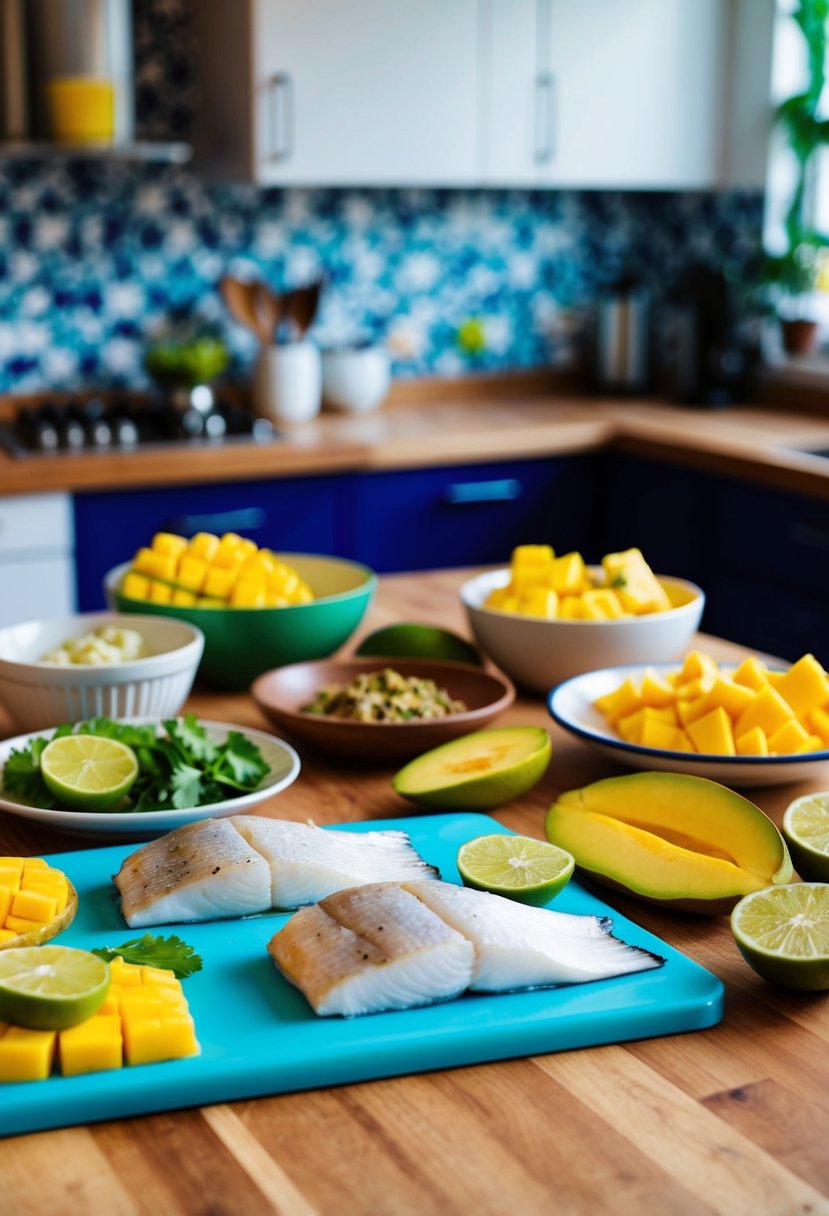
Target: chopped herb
[[182, 768], [618, 580], [169, 953]]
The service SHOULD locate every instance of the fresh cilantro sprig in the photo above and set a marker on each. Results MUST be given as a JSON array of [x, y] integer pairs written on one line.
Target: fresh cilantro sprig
[[171, 953], [182, 768]]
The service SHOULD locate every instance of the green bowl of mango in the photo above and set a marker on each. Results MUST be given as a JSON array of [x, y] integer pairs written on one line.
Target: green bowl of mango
[[242, 643]]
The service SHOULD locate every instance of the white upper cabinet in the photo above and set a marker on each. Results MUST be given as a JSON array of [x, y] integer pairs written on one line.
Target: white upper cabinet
[[614, 94]]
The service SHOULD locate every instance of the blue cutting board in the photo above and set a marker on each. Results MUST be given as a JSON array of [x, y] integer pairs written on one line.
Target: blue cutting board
[[259, 1036]]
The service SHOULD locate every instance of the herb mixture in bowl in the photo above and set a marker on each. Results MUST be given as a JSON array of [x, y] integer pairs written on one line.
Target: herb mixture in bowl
[[385, 696]]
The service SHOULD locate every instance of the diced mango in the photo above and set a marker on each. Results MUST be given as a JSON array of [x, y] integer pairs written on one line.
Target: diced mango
[[600, 604], [818, 722], [813, 744], [734, 698], [203, 546], [35, 905], [155, 565], [804, 686], [568, 575], [635, 583], [136, 586], [752, 672], [191, 573], [768, 710], [6, 935], [22, 924], [219, 582], [655, 690], [168, 544], [570, 608], [698, 666], [26, 1055], [540, 601], [791, 737], [532, 555], [623, 700], [664, 736], [712, 734], [167, 1038], [160, 593], [183, 599], [95, 1045], [227, 554], [752, 743]]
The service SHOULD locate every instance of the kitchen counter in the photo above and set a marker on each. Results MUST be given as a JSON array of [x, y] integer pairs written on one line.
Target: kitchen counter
[[731, 1119], [427, 425]]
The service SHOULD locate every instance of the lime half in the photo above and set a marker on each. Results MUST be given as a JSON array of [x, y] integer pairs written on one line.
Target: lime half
[[519, 867], [405, 640], [806, 829], [50, 987], [87, 772], [783, 933]]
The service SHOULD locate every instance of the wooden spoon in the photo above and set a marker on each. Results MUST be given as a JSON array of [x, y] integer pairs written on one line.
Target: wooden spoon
[[302, 306], [239, 297], [269, 308]]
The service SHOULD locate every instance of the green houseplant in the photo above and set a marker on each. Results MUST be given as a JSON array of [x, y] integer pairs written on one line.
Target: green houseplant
[[791, 276]]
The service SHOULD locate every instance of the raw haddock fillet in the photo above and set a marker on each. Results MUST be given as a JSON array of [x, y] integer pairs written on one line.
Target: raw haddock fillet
[[387, 946], [218, 868], [371, 948], [202, 871], [308, 863], [518, 946]]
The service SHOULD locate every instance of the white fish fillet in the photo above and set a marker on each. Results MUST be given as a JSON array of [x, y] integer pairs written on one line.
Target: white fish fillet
[[517, 946], [202, 871], [218, 868], [308, 863], [369, 948]]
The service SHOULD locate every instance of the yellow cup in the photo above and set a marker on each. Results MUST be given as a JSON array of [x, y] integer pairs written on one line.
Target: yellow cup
[[81, 109]]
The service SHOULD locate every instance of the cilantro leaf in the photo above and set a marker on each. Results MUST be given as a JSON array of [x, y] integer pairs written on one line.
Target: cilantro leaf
[[191, 739], [169, 953], [186, 786], [241, 763]]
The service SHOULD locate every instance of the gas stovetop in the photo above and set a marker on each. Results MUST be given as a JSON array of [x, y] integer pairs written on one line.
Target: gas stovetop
[[121, 425]]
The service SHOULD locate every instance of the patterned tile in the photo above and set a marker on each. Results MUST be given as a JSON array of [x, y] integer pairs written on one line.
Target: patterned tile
[[97, 259]]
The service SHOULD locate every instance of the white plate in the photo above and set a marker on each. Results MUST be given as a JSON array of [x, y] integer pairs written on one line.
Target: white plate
[[571, 704], [281, 758]]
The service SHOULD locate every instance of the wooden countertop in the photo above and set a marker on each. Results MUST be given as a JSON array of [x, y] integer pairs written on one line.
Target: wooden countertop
[[733, 1119], [430, 426]]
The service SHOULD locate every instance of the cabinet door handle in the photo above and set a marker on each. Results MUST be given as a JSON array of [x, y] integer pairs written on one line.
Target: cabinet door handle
[[281, 88], [545, 104], [464, 493], [246, 519]]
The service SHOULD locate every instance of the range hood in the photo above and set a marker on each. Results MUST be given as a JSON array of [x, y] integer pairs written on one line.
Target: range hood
[[42, 41]]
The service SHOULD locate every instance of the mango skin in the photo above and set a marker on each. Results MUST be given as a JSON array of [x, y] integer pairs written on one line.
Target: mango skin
[[672, 840]]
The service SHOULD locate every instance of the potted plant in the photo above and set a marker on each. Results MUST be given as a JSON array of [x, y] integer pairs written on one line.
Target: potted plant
[[792, 275]]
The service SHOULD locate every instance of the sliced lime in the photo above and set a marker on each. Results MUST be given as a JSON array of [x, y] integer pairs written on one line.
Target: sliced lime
[[783, 933], [87, 772], [519, 867], [806, 829], [50, 987]]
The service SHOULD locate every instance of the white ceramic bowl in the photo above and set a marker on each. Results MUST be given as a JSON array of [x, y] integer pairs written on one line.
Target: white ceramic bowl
[[38, 695], [538, 653], [355, 379], [572, 705]]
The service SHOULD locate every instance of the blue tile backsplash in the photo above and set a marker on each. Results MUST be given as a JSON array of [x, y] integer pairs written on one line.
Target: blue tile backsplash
[[97, 259]]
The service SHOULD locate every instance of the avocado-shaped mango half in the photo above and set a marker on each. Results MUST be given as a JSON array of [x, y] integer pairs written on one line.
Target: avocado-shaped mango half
[[671, 839], [479, 771]]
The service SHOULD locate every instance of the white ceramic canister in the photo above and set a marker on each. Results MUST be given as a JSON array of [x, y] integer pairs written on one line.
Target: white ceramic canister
[[355, 378], [287, 382]]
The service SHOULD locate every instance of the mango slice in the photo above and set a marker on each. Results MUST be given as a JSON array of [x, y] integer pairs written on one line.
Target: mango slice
[[671, 839]]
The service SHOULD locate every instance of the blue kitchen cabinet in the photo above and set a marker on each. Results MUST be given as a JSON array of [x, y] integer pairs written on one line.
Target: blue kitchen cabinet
[[472, 514], [303, 514]]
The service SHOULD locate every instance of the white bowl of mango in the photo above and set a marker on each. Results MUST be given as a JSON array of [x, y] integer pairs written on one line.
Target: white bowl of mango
[[546, 617]]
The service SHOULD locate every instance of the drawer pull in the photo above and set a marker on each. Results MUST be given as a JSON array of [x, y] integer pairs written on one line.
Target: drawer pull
[[467, 492], [246, 519]]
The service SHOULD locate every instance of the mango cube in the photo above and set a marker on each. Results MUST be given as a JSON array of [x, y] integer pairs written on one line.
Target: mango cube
[[168, 544], [791, 737], [712, 734], [567, 574], [136, 586], [698, 666], [155, 565], [163, 1038], [25, 1055], [655, 690], [570, 608], [95, 1045], [623, 700], [635, 583], [602, 605], [768, 710], [752, 743], [160, 593], [818, 721], [183, 599], [219, 582], [804, 686], [532, 555], [664, 736], [752, 672], [35, 905], [191, 573], [540, 601]]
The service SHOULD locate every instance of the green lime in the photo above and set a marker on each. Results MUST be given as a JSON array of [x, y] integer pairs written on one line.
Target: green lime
[[418, 642], [519, 867], [783, 933], [87, 772], [50, 987], [806, 829]]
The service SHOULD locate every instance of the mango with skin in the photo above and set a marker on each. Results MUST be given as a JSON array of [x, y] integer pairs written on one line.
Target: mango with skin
[[671, 839]]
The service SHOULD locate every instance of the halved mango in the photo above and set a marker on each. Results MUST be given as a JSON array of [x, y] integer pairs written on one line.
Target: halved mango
[[671, 839]]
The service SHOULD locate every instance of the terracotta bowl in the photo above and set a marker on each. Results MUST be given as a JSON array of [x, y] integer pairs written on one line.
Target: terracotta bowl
[[283, 693]]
